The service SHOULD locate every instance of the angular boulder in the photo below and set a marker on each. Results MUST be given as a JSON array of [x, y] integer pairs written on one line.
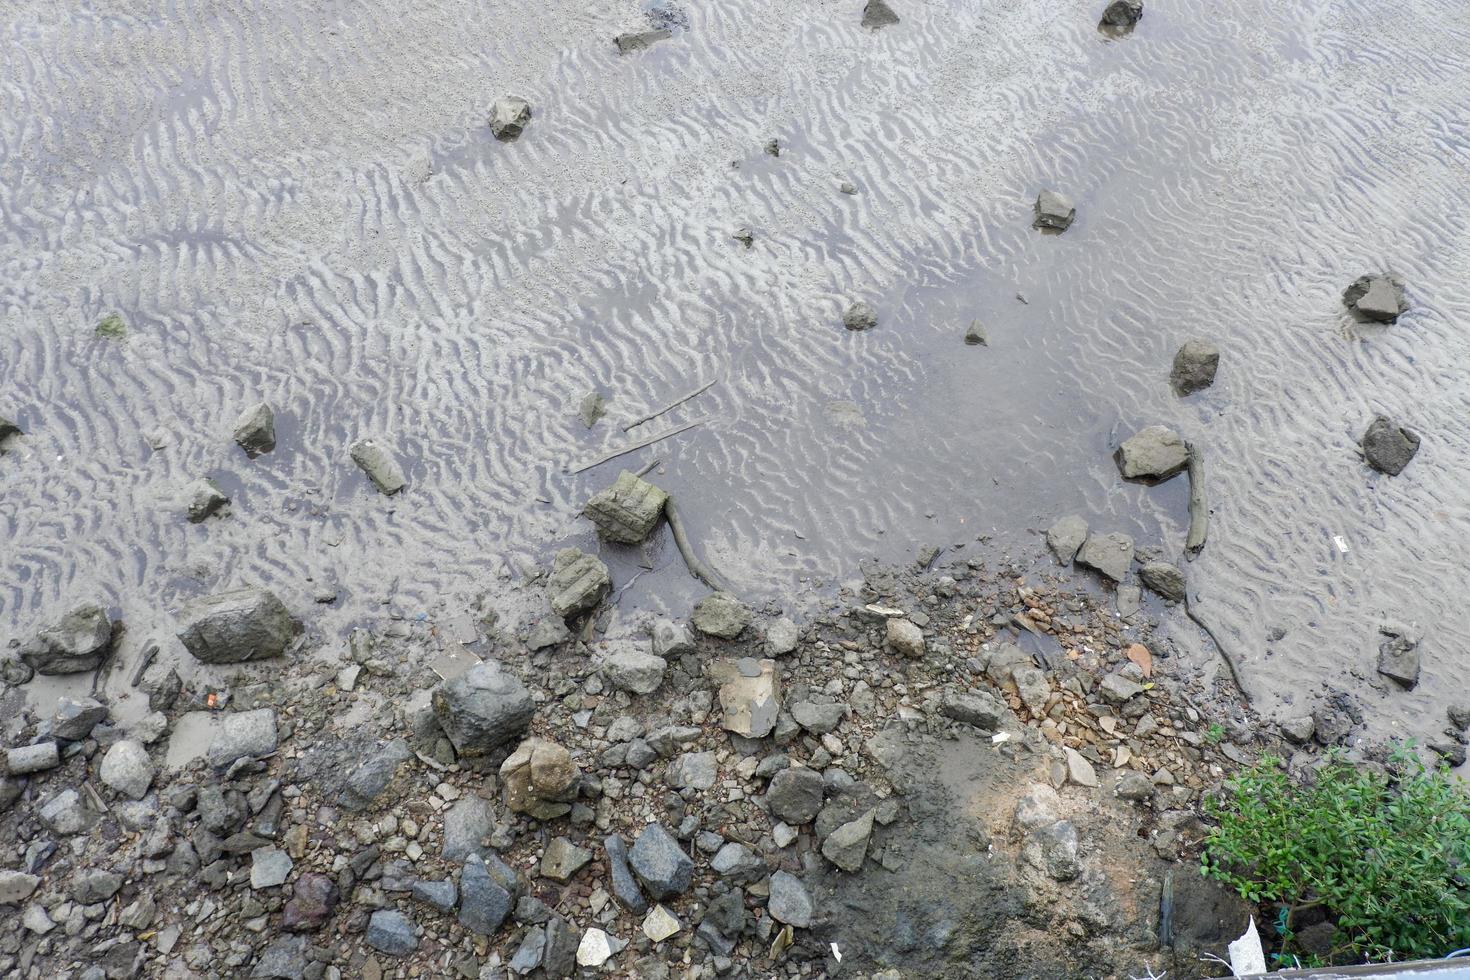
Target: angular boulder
[[509, 117], [1065, 537], [483, 710], [627, 511], [378, 463], [1123, 13], [1195, 364], [1377, 298], [877, 14], [205, 499], [847, 846], [1154, 453], [578, 582], [255, 430], [78, 642], [236, 627], [660, 863], [1388, 447], [540, 779], [1054, 211], [1110, 554]]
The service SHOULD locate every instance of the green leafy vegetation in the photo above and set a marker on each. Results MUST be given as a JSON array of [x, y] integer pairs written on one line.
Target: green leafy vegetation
[[1385, 856]]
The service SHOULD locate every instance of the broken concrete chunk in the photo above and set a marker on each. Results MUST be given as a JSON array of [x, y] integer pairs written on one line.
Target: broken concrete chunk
[[1378, 298], [235, 627], [78, 642], [577, 584], [628, 43], [1398, 655], [1123, 13], [1110, 554], [720, 614], [1195, 364], [1054, 211], [379, 465], [750, 695], [255, 430], [205, 499], [860, 316], [1065, 537], [1154, 453], [509, 117], [877, 14], [627, 511], [1388, 447]]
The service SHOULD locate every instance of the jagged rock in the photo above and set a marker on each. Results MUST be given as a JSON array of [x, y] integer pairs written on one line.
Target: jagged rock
[[1079, 770], [795, 795], [244, 734], [313, 900], [819, 719], [1123, 13], [563, 859], [1109, 554], [283, 959], [860, 316], [390, 931], [660, 924], [789, 901], [671, 639], [467, 823], [484, 903], [1154, 453], [1135, 786], [1398, 655], [1378, 298], [735, 861], [1054, 211], [976, 336], [597, 947], [624, 884], [750, 695], [25, 759], [79, 642], [483, 709], [528, 956], [906, 639], [1298, 731], [782, 637], [592, 408], [877, 14], [1195, 363], [627, 511], [694, 770], [95, 885], [235, 627], [127, 769], [16, 886], [578, 582], [628, 43], [540, 779], [721, 615], [255, 430], [205, 500], [373, 775], [1116, 689], [1065, 537], [66, 813], [442, 895], [1165, 579], [509, 117], [977, 708], [660, 863], [269, 867], [847, 846], [1388, 446], [378, 463], [629, 668]]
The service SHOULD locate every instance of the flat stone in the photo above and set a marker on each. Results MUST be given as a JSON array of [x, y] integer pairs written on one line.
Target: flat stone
[[1154, 453], [671, 639], [127, 769], [1377, 298], [375, 459], [269, 867], [204, 499], [1065, 537], [235, 627], [1116, 689], [847, 846], [905, 637], [483, 710], [1054, 211], [578, 582], [1079, 770], [628, 43], [244, 734], [255, 430], [977, 708], [1388, 447], [66, 813], [367, 782], [442, 895], [1109, 554], [283, 959], [860, 316], [390, 931], [1163, 578], [628, 511], [25, 759], [95, 885], [1129, 599], [877, 15], [630, 668], [77, 643], [694, 770], [1195, 363], [624, 885], [484, 903], [597, 947], [509, 117], [1398, 655], [466, 824], [562, 859], [782, 637], [789, 901], [529, 954], [721, 615], [819, 719], [660, 863], [75, 719], [660, 924], [750, 695], [16, 886]]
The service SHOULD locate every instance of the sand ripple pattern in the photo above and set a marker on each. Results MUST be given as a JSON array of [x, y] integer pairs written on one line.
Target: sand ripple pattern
[[302, 204]]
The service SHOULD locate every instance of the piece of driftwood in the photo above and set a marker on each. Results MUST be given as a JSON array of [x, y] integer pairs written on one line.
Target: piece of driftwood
[[639, 445], [1224, 653], [672, 405], [1199, 509], [697, 568]]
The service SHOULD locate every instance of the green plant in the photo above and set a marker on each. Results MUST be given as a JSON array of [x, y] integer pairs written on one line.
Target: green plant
[[1214, 733], [1386, 857]]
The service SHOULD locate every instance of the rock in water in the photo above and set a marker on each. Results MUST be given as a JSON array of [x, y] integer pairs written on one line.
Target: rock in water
[[379, 465], [1054, 211], [1377, 298], [255, 430], [877, 14], [1389, 447], [1398, 656], [1195, 365], [8, 429], [1065, 537], [593, 408], [976, 336], [1123, 13], [1110, 554], [1165, 579], [205, 500], [627, 511], [483, 709], [720, 614], [79, 642], [235, 627], [1155, 453], [860, 316], [509, 117], [643, 39], [577, 584], [660, 863]]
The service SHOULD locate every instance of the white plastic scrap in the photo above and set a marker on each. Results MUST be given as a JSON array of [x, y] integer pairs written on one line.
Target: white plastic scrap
[[1341, 542], [836, 953], [1247, 958]]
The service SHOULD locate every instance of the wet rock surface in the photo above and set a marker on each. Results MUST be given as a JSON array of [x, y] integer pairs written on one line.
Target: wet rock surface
[[79, 642], [1195, 366], [1054, 211], [255, 430], [1376, 298], [860, 316], [1389, 447], [577, 584], [378, 463], [627, 511], [235, 627], [1153, 453]]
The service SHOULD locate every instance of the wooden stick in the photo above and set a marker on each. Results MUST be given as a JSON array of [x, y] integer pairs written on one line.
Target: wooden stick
[[697, 568], [671, 406], [1199, 511], [1224, 653], [648, 468], [640, 445]]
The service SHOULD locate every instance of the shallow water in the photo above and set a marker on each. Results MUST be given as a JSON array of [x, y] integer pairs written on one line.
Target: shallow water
[[304, 205]]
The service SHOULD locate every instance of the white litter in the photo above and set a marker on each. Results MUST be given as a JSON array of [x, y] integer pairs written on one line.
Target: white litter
[[1246, 956], [1341, 542], [836, 953], [999, 737]]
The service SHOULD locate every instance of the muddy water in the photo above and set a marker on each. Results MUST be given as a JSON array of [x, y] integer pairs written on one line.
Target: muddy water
[[304, 205]]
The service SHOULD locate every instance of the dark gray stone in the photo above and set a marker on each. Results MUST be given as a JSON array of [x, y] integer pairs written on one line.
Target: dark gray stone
[[75, 719], [1388, 447], [483, 710], [1154, 453], [314, 898], [94, 886], [977, 708], [442, 895], [976, 336], [1195, 363], [1123, 13], [628, 511], [79, 642], [484, 903], [624, 885], [255, 430], [390, 931], [466, 824], [789, 901], [736, 862], [860, 316], [1165, 579], [847, 846], [1398, 655], [373, 775], [795, 795], [283, 959], [578, 582], [509, 117], [378, 463], [877, 15], [1054, 211], [660, 863], [66, 813], [528, 956], [1377, 298], [205, 499], [235, 627], [559, 960], [628, 43]]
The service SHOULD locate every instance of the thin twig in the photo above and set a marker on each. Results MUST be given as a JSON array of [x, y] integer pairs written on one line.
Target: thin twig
[[672, 405], [648, 468], [639, 445]]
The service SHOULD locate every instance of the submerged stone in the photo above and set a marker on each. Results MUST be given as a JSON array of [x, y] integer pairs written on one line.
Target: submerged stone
[[379, 465], [1154, 453], [205, 500], [255, 430], [78, 642], [1388, 447], [1195, 365], [628, 43], [1110, 554], [1378, 298], [860, 316], [1054, 211], [1123, 13], [509, 117]]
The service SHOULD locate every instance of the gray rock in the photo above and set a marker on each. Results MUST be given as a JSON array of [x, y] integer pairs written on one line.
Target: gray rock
[[1135, 786], [1195, 363], [795, 795], [269, 867], [628, 511], [235, 627], [628, 43], [25, 759], [789, 901], [484, 903], [1065, 537], [1398, 655], [509, 117], [313, 899], [1054, 211], [244, 734], [976, 708], [660, 863], [66, 813], [1154, 453], [1079, 770], [483, 709], [205, 499], [782, 637], [1123, 13], [75, 719], [877, 14], [694, 770], [79, 642], [1377, 298], [1053, 848], [95, 885], [905, 637], [624, 885], [127, 769], [671, 639], [1115, 688], [283, 959], [1165, 579], [1298, 731], [530, 953], [847, 846], [1129, 599], [442, 895], [629, 668], [819, 719], [16, 886], [720, 614], [1109, 554], [1459, 716], [1388, 446], [549, 631], [578, 582], [860, 316], [390, 931], [8, 429], [378, 463], [736, 862], [592, 409], [559, 960], [255, 430], [976, 336], [373, 775], [562, 859], [1032, 687]]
